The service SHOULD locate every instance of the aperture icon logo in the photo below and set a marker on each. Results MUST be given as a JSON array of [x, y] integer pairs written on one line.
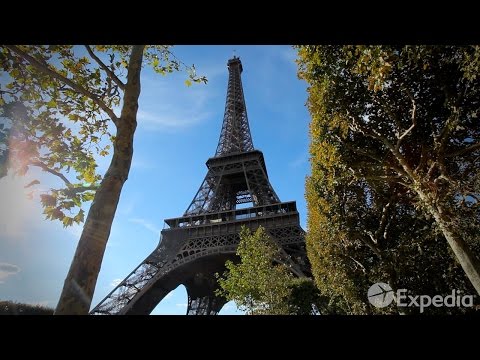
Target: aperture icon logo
[[380, 295]]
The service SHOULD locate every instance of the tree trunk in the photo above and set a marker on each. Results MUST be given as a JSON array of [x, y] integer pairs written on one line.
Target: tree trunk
[[79, 285], [467, 259]]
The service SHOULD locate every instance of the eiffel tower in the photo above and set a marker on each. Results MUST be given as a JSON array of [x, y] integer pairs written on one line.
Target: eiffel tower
[[194, 247]]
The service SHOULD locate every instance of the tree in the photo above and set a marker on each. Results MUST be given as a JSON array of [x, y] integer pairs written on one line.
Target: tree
[[14, 308], [262, 284], [395, 156], [256, 286], [61, 103], [306, 299]]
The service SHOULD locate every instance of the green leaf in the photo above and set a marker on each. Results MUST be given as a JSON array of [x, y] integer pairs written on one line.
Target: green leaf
[[256, 284], [67, 221], [77, 201], [357, 191], [89, 175], [88, 196], [68, 205], [52, 104], [80, 217], [61, 126]]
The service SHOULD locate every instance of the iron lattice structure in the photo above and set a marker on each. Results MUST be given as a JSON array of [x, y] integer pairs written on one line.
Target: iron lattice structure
[[235, 135], [194, 247]]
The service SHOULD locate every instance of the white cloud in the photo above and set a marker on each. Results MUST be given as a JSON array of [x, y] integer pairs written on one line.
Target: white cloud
[[168, 105], [127, 206], [146, 224], [288, 54], [213, 71], [181, 305], [7, 270], [172, 119], [138, 163], [169, 295], [21, 214], [16, 209], [115, 282], [299, 161]]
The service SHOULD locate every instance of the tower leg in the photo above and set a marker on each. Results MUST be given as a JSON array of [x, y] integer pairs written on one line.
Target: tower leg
[[207, 305], [201, 295]]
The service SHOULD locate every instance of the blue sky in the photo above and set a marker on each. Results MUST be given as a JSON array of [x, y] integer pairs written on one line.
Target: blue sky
[[178, 130]]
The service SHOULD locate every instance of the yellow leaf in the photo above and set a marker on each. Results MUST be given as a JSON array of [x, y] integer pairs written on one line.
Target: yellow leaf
[[89, 176], [188, 82]]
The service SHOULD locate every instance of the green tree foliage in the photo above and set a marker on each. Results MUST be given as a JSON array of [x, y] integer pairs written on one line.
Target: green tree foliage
[[395, 157], [256, 284], [60, 109], [14, 308], [261, 284], [306, 299]]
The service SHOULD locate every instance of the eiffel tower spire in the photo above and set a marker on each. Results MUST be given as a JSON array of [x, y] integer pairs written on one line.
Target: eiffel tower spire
[[235, 135]]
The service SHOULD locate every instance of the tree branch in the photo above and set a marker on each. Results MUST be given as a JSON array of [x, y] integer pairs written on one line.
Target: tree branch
[[387, 108], [361, 152], [369, 241], [464, 151], [383, 220], [47, 70], [358, 126], [475, 196], [8, 92], [110, 73], [71, 191], [451, 124], [414, 122], [357, 262], [423, 158], [381, 161], [430, 170], [71, 188], [383, 178], [51, 171]]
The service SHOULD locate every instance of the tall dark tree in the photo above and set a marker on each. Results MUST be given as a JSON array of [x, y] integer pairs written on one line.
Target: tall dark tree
[[58, 103], [395, 145]]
